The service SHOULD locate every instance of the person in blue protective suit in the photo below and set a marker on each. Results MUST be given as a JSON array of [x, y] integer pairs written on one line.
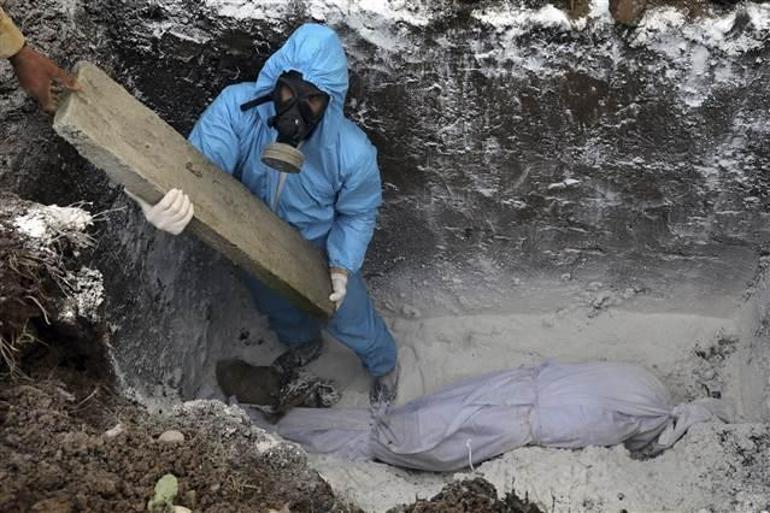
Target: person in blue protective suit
[[285, 137]]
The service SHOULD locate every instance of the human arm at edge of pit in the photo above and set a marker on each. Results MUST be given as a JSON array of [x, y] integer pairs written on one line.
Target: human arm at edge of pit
[[40, 77]]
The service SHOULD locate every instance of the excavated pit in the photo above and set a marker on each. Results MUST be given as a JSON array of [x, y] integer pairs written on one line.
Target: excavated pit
[[554, 188]]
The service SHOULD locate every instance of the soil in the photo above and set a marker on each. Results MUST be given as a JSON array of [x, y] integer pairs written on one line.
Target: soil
[[470, 496], [56, 457]]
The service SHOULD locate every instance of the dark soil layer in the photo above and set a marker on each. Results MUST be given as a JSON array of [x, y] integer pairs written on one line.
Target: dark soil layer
[[472, 496], [56, 458]]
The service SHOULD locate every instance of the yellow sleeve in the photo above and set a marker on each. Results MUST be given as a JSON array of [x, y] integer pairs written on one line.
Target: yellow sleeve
[[11, 38]]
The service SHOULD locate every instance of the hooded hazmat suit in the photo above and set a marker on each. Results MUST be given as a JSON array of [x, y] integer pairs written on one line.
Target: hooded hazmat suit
[[333, 201]]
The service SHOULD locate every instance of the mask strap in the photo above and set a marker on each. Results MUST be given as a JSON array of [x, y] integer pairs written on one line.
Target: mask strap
[[256, 102]]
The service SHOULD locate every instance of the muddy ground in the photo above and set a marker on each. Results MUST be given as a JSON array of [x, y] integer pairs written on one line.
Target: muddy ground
[[56, 457]]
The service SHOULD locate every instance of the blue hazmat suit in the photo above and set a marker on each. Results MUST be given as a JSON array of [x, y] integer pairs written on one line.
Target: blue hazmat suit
[[333, 201]]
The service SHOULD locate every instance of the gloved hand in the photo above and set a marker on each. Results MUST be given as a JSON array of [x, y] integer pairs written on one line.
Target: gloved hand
[[41, 78], [171, 214], [339, 279]]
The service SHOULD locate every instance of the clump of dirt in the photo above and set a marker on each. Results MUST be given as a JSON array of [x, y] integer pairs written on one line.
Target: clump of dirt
[[724, 346], [62, 451], [470, 496]]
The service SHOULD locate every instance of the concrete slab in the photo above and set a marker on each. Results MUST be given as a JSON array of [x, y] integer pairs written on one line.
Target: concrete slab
[[141, 152]]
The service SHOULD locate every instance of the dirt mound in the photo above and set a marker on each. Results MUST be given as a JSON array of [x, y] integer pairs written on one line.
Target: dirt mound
[[470, 496], [56, 455]]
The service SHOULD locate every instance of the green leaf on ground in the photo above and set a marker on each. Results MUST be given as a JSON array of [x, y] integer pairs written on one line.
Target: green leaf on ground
[[166, 490]]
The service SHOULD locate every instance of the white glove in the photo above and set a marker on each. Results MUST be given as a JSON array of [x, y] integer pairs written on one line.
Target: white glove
[[172, 213], [339, 286]]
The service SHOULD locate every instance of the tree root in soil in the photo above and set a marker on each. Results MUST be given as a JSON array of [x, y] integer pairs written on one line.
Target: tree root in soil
[[38, 252]]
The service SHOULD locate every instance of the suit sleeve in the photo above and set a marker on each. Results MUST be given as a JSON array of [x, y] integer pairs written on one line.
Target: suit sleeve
[[356, 215], [215, 134], [11, 38]]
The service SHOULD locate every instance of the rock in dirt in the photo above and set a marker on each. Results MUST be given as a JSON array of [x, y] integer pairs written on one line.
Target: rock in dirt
[[181, 509], [171, 436], [114, 432], [250, 384], [66, 395]]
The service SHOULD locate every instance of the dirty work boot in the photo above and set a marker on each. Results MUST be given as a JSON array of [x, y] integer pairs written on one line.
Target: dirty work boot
[[302, 388], [299, 356], [250, 384], [272, 391], [384, 389]]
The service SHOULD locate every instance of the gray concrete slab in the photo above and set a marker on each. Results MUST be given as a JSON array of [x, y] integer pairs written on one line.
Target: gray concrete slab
[[141, 152]]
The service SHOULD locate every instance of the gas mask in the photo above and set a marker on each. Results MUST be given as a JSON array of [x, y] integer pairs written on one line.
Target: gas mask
[[299, 108]]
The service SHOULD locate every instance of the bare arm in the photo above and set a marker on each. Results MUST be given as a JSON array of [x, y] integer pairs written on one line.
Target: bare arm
[[37, 74]]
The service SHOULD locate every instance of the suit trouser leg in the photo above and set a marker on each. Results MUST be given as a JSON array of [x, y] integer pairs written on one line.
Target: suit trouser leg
[[358, 325], [294, 327]]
